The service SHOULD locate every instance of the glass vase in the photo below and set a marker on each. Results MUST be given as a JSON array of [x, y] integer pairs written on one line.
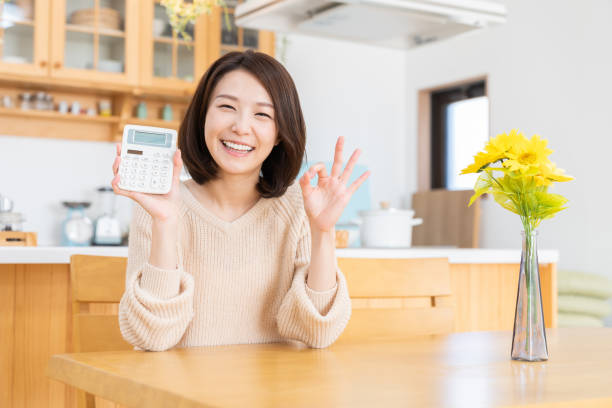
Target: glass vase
[[529, 334]]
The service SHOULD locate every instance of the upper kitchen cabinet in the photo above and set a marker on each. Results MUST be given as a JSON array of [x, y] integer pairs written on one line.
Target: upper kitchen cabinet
[[24, 32], [95, 41], [169, 62], [235, 38], [173, 63]]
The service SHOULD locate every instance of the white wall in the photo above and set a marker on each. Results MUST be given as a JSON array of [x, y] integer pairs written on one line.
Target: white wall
[[345, 89], [358, 92], [38, 174], [549, 72]]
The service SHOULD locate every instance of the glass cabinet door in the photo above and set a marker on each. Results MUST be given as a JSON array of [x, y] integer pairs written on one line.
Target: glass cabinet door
[[173, 63], [174, 57], [93, 40], [235, 38], [23, 36]]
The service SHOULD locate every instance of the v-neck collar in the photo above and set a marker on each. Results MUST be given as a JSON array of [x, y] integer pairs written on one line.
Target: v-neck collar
[[192, 202]]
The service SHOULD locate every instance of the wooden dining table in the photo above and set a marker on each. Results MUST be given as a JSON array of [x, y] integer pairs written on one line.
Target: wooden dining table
[[471, 369]]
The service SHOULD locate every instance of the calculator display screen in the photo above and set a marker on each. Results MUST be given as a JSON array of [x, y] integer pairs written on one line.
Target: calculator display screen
[[150, 139]]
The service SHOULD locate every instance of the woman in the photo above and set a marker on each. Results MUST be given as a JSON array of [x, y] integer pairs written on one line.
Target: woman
[[239, 253]]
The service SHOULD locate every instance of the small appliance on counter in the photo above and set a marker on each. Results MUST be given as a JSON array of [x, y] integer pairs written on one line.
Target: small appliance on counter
[[107, 228], [11, 226], [77, 228], [387, 227]]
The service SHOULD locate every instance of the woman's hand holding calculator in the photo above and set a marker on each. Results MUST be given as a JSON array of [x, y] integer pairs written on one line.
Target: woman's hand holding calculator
[[161, 207]]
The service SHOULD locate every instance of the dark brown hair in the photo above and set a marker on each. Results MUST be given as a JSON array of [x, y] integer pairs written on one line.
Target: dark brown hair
[[282, 165]]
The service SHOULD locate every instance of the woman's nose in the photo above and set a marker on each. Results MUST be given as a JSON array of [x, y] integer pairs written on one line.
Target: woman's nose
[[242, 124]]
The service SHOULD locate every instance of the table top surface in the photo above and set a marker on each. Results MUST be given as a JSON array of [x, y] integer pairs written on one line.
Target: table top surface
[[457, 370]]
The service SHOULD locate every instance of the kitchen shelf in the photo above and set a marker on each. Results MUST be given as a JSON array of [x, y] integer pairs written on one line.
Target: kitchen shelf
[[23, 22], [170, 40], [33, 113], [93, 30], [169, 124]]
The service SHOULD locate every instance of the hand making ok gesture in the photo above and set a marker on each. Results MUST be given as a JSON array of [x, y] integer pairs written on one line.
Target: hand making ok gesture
[[325, 202]]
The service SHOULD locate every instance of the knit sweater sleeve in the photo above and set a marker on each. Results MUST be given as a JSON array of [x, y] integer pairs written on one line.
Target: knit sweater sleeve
[[157, 305], [313, 317]]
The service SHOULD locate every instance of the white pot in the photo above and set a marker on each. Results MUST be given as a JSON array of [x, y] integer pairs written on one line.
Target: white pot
[[387, 228]]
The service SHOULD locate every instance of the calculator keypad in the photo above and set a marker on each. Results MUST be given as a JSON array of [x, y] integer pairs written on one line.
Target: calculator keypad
[[147, 174]]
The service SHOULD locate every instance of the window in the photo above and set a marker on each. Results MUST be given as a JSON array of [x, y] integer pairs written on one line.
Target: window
[[459, 129]]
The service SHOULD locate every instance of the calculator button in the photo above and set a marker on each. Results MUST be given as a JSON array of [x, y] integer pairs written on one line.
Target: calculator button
[[155, 167], [164, 180], [156, 173], [156, 155]]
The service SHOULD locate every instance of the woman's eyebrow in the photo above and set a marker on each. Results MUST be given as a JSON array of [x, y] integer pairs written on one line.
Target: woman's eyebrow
[[233, 98]]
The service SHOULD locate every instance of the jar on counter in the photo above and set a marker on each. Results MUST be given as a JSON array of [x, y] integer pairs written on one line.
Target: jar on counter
[[41, 101], [11, 221], [26, 100]]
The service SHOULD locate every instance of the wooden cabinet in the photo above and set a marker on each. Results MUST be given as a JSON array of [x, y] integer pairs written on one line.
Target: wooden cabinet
[[169, 61], [94, 41], [70, 42], [24, 37], [36, 315], [118, 50]]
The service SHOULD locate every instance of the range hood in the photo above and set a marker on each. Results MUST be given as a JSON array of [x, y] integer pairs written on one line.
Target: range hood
[[391, 23]]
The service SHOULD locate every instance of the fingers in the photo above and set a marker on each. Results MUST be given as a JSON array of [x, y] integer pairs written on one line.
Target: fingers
[[319, 169], [337, 166], [305, 184], [118, 149], [178, 167], [116, 165], [357, 183], [346, 174], [119, 191]]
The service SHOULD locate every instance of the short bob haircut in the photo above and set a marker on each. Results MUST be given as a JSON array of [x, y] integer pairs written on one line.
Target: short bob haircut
[[282, 165]]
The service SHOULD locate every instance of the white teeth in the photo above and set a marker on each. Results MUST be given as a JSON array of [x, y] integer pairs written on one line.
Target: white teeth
[[237, 146]]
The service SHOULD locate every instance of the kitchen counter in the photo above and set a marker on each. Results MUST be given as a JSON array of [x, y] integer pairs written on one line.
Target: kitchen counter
[[36, 301], [61, 255]]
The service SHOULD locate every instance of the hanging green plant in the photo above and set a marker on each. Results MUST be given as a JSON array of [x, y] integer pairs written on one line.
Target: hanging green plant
[[182, 12]]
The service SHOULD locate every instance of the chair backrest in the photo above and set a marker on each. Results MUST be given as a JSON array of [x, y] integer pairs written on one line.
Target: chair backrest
[[397, 298], [97, 282], [447, 219]]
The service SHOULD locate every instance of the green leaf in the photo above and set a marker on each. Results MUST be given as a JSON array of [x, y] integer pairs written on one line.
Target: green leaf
[[506, 201]]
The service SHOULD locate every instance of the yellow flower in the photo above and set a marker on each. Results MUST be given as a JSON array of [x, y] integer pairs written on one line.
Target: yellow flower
[[496, 149], [501, 144], [549, 173], [481, 160], [526, 158]]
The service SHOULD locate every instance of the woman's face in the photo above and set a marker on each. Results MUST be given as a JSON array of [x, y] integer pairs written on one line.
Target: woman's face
[[240, 130]]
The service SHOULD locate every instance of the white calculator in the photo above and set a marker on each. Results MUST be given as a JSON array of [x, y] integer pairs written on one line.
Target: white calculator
[[146, 159]]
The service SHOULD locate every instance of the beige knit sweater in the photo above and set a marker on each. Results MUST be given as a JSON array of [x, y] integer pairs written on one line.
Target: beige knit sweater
[[236, 282]]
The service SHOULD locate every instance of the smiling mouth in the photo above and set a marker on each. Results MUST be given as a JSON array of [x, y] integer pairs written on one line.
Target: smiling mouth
[[237, 147]]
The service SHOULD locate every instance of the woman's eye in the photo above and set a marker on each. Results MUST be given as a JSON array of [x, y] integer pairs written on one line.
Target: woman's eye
[[263, 114], [226, 106]]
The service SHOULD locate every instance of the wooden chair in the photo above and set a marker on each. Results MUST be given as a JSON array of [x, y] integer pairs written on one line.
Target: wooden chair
[[397, 298], [97, 282], [447, 219]]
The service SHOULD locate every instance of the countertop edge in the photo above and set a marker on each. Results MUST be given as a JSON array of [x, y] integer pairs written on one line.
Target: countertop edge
[[61, 255]]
